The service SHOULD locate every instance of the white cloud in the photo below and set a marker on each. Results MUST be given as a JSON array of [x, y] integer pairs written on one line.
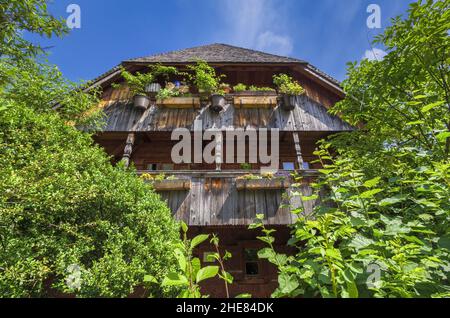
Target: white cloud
[[277, 44], [257, 24], [374, 54]]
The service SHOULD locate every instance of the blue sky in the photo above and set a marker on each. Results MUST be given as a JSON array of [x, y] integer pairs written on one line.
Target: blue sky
[[326, 33]]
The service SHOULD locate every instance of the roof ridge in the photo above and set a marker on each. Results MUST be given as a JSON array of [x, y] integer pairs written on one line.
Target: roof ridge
[[167, 52], [263, 55], [258, 51]]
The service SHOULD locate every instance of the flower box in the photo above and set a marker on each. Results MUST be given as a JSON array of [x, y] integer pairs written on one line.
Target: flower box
[[172, 185], [262, 184], [180, 102], [266, 100]]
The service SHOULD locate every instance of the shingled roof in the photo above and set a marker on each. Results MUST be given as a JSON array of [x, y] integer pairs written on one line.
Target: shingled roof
[[216, 53]]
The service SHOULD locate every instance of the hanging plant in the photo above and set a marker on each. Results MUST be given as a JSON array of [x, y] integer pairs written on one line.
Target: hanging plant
[[290, 90]]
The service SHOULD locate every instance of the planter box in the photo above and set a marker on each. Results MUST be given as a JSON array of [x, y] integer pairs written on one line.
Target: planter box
[[261, 184], [172, 185], [180, 102], [255, 93], [255, 101]]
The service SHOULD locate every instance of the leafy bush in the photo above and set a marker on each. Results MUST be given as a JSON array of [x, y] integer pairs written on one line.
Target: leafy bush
[[139, 81], [136, 82], [64, 206], [240, 87], [205, 78], [382, 227], [287, 85], [190, 272], [260, 89]]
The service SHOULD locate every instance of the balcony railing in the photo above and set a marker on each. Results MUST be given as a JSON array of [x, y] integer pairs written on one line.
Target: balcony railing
[[232, 197]]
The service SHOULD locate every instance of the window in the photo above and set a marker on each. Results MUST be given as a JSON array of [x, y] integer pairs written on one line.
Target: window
[[251, 262], [290, 166], [306, 165], [167, 166], [151, 167]]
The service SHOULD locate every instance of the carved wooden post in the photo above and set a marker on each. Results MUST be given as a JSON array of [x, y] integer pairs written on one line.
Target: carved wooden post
[[128, 149], [298, 150]]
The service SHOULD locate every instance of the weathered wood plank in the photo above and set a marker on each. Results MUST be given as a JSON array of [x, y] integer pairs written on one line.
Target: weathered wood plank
[[216, 201]]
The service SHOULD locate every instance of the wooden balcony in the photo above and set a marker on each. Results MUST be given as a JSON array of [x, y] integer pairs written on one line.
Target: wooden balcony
[[227, 198]]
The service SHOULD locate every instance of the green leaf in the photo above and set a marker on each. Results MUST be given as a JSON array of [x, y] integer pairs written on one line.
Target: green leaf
[[333, 253], [360, 242], [184, 227], [174, 279], [150, 279], [287, 283], [196, 265], [227, 277], [266, 253], [207, 272], [179, 255], [352, 289], [443, 136], [244, 296], [310, 198], [391, 201], [370, 193], [267, 239], [372, 182], [199, 239], [416, 122], [429, 107]]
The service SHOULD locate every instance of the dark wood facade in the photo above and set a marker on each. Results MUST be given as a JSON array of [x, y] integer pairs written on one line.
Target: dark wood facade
[[217, 201]]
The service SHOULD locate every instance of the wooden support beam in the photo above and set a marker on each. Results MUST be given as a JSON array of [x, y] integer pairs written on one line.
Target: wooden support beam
[[298, 150], [128, 149]]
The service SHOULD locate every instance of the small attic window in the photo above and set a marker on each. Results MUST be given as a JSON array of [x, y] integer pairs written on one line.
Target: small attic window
[[289, 166], [251, 262]]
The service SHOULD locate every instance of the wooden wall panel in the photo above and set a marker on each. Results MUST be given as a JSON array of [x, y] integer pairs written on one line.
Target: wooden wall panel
[[215, 201]]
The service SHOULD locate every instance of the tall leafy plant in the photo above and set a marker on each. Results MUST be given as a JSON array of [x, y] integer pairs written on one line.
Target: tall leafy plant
[[204, 77], [382, 225]]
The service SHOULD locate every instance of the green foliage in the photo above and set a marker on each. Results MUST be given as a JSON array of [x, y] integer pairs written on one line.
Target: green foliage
[[162, 72], [404, 98], [217, 256], [382, 226], [287, 85], [62, 203], [254, 88], [246, 166], [17, 16], [172, 91], [136, 82], [189, 273], [139, 81], [240, 87], [205, 78]]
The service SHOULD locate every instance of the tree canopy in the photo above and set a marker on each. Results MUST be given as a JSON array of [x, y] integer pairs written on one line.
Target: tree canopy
[[382, 228], [70, 221]]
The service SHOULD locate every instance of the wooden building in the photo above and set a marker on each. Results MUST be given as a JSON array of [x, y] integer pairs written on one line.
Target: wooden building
[[222, 201]]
